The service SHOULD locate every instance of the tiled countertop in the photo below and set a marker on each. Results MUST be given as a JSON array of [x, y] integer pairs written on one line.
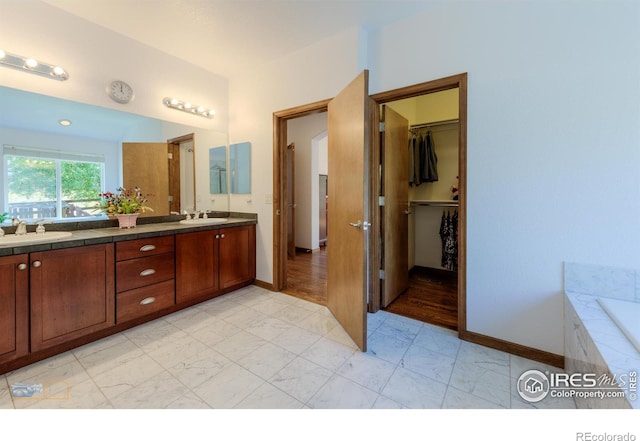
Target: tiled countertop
[[145, 228]]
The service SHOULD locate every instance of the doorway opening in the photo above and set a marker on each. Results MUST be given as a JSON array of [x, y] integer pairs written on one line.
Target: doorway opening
[[375, 302], [419, 184], [305, 177]]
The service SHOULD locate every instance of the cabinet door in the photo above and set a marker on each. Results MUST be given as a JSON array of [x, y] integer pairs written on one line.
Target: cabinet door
[[237, 255], [72, 294], [14, 307], [196, 265]]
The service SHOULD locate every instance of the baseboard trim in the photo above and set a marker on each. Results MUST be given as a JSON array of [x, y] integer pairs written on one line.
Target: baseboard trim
[[513, 348], [265, 285]]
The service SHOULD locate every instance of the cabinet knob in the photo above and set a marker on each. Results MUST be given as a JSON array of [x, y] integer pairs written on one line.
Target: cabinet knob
[[147, 248], [222, 236], [217, 236], [147, 301], [36, 264], [22, 266], [147, 272]]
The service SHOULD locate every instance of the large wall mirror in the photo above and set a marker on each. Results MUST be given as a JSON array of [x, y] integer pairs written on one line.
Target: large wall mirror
[[33, 122]]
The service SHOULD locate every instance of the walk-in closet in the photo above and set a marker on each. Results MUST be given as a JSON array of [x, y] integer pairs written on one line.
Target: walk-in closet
[[432, 161]]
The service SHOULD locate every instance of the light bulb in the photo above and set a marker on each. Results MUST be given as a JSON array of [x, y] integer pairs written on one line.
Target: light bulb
[[31, 63]]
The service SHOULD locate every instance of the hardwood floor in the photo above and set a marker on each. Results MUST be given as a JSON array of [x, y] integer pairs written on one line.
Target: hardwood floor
[[432, 296], [307, 276]]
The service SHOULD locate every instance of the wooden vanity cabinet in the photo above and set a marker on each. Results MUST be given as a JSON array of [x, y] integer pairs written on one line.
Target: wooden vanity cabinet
[[14, 307], [72, 294], [197, 264], [145, 272], [209, 263], [54, 300], [237, 256]]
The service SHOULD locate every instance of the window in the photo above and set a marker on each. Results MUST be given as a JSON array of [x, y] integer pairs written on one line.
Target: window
[[48, 184]]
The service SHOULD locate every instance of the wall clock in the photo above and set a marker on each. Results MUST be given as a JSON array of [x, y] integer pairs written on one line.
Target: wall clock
[[119, 91]]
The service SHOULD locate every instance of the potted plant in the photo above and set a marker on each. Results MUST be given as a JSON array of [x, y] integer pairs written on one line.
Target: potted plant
[[125, 205]]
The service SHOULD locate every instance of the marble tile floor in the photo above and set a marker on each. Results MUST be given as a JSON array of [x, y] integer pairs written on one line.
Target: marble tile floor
[[256, 349]]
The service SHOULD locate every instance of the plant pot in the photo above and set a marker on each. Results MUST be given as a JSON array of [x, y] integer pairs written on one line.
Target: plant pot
[[127, 220]]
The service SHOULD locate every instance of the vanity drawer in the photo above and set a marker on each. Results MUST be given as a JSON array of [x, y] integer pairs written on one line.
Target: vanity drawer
[[135, 273], [143, 301], [133, 249]]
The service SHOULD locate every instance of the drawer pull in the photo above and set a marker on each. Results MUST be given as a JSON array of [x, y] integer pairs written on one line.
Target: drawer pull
[[147, 248], [147, 301], [147, 272]]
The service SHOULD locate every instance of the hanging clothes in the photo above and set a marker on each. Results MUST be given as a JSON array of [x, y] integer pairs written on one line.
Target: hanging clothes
[[430, 168], [417, 160], [449, 236], [412, 149], [423, 161]]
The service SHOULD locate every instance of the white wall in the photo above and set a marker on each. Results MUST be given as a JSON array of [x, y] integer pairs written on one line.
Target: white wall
[[320, 72], [302, 131], [553, 135]]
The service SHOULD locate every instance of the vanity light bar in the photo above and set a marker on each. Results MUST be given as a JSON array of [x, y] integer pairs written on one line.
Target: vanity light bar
[[33, 66], [174, 103]]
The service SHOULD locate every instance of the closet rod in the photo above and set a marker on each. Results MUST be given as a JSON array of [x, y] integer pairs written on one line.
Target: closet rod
[[433, 124], [435, 203]]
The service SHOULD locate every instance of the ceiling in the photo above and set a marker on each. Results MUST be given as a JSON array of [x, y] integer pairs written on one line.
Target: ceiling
[[226, 36]]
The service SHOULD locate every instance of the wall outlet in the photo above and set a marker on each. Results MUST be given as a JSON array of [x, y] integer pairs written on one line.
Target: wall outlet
[[268, 199]]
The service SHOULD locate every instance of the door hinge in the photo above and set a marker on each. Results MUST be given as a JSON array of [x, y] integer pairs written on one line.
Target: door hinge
[[170, 155], [380, 201], [381, 275], [381, 126], [170, 198]]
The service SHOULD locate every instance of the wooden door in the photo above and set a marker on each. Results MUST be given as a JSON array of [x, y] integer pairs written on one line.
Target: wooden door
[[145, 165], [290, 185], [395, 188], [14, 307], [72, 294], [348, 144]]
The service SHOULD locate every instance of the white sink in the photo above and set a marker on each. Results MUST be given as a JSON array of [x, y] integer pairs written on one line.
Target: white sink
[[207, 221], [29, 238]]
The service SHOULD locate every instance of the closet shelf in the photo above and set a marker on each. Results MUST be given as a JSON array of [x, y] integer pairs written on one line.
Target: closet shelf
[[435, 203], [433, 124]]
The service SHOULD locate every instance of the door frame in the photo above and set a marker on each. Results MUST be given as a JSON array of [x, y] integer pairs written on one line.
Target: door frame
[[458, 81], [174, 146], [280, 119]]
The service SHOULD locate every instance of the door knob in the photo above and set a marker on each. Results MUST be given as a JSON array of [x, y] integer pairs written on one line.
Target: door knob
[[357, 225]]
